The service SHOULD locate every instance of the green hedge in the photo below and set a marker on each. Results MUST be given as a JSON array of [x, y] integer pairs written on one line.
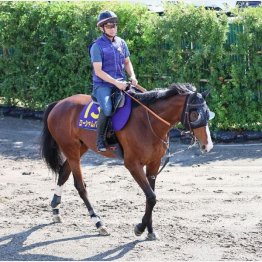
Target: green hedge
[[44, 54]]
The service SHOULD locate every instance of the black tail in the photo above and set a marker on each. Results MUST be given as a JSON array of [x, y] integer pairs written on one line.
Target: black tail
[[49, 149]]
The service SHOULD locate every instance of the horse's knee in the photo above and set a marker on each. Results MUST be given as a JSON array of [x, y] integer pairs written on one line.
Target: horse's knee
[[151, 200]]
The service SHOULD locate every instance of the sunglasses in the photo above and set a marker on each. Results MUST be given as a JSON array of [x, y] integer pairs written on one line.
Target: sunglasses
[[110, 26]]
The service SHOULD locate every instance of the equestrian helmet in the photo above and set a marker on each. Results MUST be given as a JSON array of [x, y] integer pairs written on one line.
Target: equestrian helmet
[[106, 17]]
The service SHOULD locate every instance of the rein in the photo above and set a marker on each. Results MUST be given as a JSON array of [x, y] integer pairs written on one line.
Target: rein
[[185, 117], [169, 155], [149, 110], [154, 133], [166, 143]]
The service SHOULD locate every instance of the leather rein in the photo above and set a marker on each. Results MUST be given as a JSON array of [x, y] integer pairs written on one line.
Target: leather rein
[[167, 144], [148, 110]]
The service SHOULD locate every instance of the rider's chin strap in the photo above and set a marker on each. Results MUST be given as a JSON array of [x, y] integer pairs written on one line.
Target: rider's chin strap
[[107, 35]]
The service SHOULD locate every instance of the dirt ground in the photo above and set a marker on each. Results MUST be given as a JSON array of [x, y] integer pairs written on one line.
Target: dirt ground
[[209, 206]]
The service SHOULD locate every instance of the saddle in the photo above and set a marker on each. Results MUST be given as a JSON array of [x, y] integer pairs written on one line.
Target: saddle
[[121, 112]]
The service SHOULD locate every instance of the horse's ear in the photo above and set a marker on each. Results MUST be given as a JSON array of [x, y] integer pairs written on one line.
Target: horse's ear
[[205, 94]]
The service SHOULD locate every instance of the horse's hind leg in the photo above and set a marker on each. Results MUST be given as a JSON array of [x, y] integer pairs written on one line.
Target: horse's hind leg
[[94, 217], [63, 176], [56, 201], [81, 188], [74, 162]]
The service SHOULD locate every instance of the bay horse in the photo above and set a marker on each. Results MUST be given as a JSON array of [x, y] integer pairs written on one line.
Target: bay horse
[[144, 140]]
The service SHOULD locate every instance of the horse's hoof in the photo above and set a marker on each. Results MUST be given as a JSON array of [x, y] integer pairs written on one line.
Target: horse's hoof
[[152, 236], [57, 219], [103, 231], [137, 231]]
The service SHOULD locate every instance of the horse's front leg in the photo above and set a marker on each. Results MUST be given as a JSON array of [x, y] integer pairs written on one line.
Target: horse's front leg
[[151, 174], [151, 233], [139, 175]]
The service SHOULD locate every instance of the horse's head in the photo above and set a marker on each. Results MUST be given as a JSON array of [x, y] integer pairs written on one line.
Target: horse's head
[[195, 118]]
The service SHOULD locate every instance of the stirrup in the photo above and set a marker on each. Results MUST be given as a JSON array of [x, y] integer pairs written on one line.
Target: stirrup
[[101, 147]]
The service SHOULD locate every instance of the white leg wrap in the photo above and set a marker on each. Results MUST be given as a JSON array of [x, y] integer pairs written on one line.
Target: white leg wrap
[[59, 190], [95, 219]]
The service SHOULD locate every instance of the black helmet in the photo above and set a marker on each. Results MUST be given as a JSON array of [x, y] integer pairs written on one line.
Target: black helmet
[[106, 17]]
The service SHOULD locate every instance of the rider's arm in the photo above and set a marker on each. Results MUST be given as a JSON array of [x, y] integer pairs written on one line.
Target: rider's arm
[[128, 64], [106, 77], [96, 59], [130, 70]]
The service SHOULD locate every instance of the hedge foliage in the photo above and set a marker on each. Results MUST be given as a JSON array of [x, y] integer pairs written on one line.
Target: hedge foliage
[[44, 53]]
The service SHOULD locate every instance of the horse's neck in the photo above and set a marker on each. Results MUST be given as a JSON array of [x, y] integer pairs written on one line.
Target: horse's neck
[[170, 109]]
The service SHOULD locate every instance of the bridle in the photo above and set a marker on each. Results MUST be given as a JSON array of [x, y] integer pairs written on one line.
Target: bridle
[[165, 142], [194, 115], [186, 119]]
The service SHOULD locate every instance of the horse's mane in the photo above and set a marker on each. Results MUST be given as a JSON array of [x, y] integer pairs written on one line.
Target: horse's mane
[[150, 97]]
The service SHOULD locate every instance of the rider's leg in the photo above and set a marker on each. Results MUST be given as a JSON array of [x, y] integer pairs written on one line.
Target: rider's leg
[[101, 131], [103, 96]]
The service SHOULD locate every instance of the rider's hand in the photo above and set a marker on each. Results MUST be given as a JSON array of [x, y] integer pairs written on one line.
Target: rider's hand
[[134, 81], [122, 85]]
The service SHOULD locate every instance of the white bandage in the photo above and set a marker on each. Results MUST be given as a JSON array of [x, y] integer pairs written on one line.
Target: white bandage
[[59, 190], [95, 219]]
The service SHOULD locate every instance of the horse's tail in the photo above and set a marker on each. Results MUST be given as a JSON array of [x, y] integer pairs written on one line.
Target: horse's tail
[[49, 148]]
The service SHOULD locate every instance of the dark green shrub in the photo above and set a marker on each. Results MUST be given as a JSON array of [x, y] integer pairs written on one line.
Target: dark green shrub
[[43, 55]]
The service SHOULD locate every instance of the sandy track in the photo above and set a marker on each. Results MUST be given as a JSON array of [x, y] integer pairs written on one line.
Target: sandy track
[[209, 206]]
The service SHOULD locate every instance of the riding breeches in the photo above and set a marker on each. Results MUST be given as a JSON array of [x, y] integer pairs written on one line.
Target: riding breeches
[[103, 96]]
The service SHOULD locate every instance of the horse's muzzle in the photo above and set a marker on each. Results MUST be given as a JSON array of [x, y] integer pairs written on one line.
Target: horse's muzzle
[[207, 148]]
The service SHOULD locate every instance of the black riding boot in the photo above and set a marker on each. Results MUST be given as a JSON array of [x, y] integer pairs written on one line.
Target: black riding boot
[[101, 132]]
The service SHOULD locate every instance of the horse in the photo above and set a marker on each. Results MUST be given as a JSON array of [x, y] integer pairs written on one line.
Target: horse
[[144, 141]]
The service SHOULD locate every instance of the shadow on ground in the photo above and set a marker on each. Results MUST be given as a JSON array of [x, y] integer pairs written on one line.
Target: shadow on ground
[[20, 139], [13, 247]]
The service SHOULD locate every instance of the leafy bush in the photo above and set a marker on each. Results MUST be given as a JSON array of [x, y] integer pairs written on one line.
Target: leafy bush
[[44, 53]]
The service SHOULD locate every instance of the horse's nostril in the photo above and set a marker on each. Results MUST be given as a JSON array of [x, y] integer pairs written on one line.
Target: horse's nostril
[[203, 147]]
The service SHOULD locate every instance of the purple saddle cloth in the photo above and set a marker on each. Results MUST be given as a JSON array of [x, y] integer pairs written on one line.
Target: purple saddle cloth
[[89, 116]]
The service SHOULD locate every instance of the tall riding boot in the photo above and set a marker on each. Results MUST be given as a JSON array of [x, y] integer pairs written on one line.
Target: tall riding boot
[[101, 132]]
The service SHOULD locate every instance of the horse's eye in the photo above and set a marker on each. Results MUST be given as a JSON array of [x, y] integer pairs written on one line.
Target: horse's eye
[[193, 116]]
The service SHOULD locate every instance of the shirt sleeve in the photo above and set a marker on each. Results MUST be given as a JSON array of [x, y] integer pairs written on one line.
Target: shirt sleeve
[[126, 50], [95, 53]]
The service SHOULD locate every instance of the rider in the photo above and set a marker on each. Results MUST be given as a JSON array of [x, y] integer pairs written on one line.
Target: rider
[[110, 59]]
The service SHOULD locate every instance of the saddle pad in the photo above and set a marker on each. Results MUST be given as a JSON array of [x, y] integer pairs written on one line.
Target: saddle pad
[[89, 116]]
